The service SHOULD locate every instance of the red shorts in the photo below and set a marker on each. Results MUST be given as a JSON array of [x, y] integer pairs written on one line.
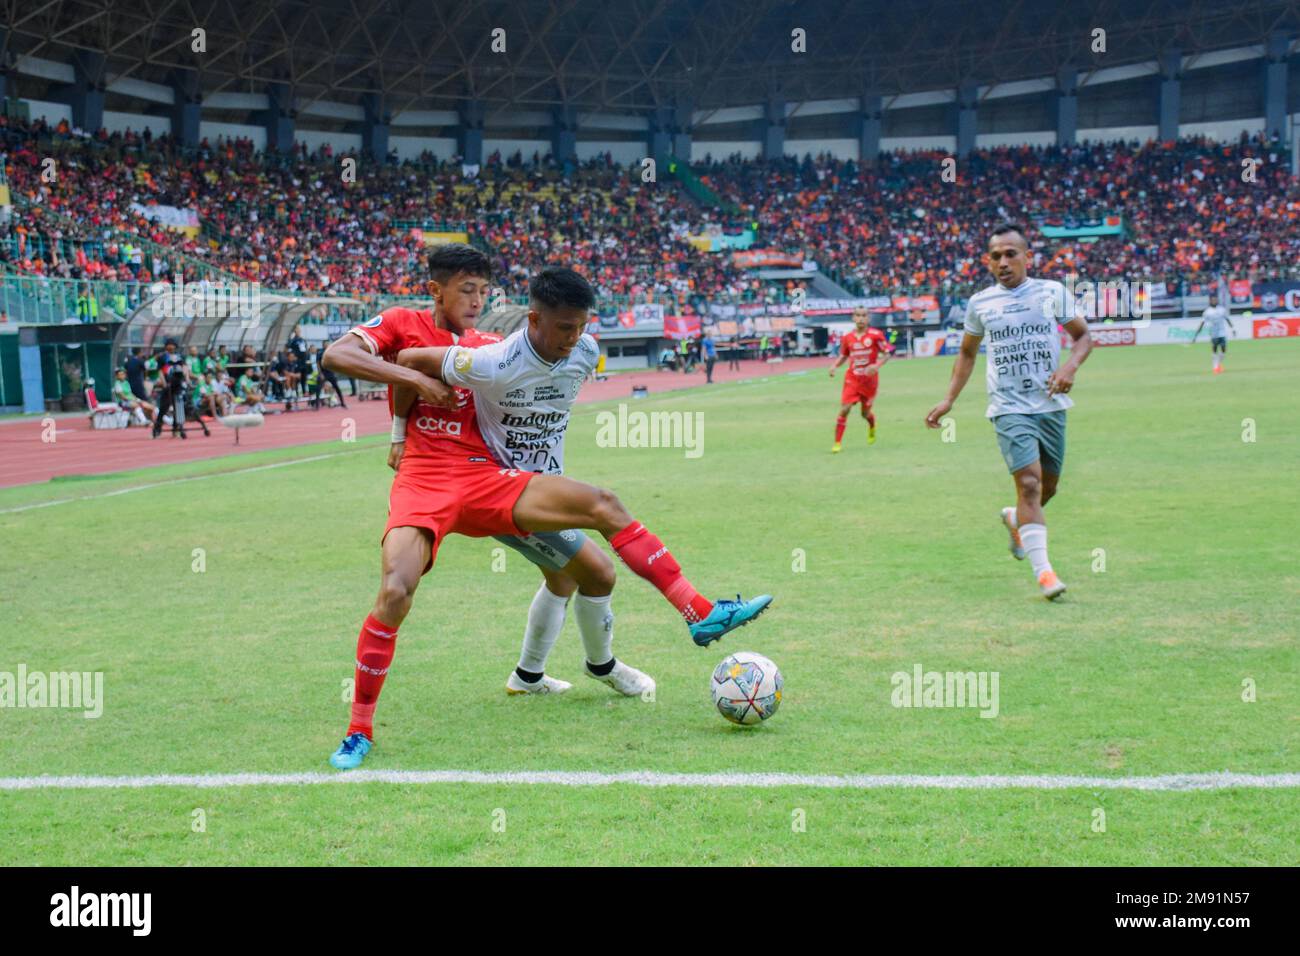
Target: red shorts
[[476, 499], [859, 388]]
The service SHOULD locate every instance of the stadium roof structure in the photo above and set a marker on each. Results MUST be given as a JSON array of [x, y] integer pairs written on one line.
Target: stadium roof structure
[[231, 317], [624, 56]]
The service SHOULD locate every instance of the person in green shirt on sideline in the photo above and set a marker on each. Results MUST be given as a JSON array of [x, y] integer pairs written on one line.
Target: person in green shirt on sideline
[[126, 399], [248, 392], [208, 397]]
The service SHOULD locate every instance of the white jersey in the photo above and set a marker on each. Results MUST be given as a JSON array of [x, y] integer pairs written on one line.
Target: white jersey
[[1216, 321], [521, 400], [1022, 344]]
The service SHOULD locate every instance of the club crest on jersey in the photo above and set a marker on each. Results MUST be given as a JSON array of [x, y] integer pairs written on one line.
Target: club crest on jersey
[[373, 323], [463, 361]]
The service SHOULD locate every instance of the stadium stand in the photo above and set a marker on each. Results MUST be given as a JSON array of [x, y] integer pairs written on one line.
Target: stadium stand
[[295, 225]]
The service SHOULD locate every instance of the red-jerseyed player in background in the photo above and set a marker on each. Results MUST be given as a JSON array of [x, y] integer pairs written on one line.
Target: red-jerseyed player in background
[[866, 350]]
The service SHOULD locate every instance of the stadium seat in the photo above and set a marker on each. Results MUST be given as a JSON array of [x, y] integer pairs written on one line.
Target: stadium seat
[[105, 415]]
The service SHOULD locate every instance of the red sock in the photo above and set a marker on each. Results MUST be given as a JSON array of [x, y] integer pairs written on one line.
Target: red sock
[[840, 424], [375, 647], [646, 555]]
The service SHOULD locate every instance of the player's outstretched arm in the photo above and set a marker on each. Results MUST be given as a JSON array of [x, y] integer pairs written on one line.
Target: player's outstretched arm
[[349, 356], [426, 360], [1198, 331], [1063, 378], [961, 369]]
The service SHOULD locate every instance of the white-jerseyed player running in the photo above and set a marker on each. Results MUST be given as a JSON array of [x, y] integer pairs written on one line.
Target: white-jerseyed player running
[[1027, 390]]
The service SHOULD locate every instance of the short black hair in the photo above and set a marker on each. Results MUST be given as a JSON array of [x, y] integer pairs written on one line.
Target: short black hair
[[455, 258], [560, 287], [1006, 226]]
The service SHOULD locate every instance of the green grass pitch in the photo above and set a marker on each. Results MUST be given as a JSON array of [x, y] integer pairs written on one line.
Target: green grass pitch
[[1175, 530]]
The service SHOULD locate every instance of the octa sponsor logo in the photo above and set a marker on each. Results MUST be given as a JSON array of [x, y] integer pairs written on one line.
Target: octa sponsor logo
[[437, 426]]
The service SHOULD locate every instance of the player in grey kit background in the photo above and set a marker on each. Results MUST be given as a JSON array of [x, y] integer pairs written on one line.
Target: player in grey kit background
[[1028, 390]]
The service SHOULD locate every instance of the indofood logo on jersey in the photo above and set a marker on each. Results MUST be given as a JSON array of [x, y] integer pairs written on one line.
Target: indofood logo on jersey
[[533, 420], [1016, 332], [437, 426], [373, 323]]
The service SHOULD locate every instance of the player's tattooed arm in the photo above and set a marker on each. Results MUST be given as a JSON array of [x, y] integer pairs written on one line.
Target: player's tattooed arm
[[962, 366], [1063, 378]]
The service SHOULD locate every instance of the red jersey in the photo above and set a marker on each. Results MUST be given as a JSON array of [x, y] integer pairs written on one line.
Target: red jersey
[[863, 349], [431, 432]]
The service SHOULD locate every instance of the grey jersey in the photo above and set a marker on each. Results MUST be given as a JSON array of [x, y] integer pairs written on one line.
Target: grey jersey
[[1022, 344], [1215, 318], [522, 402]]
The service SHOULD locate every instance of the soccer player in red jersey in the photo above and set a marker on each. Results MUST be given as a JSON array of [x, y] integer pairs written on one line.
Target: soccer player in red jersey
[[867, 350]]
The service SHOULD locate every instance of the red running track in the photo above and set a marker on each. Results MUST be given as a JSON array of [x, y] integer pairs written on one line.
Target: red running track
[[78, 449]]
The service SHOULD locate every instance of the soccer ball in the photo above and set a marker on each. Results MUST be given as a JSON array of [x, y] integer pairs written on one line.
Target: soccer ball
[[747, 688]]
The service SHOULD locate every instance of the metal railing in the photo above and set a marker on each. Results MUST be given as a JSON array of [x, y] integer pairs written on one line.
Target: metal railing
[[34, 299]]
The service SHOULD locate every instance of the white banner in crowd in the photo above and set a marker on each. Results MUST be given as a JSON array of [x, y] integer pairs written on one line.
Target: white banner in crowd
[[648, 313], [170, 216]]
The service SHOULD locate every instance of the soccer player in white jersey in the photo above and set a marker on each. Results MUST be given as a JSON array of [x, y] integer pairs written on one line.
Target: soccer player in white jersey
[[524, 388], [1215, 318], [1028, 390]]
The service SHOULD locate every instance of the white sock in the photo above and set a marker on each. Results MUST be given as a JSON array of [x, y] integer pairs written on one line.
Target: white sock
[[596, 625], [1034, 538], [545, 621]]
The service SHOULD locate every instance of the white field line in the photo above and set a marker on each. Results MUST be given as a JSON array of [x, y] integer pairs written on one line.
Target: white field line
[[1172, 782], [176, 481]]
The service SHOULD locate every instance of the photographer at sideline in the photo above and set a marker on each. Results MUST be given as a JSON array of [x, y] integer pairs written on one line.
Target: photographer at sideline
[[174, 376]]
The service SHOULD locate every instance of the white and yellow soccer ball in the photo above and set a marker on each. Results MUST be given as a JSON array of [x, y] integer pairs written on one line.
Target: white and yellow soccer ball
[[747, 688]]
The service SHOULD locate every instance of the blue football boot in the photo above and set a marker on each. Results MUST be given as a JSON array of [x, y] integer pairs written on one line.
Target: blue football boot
[[351, 752], [727, 616]]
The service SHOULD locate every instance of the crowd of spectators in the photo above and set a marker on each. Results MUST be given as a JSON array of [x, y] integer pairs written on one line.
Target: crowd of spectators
[[1189, 208], [298, 223]]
